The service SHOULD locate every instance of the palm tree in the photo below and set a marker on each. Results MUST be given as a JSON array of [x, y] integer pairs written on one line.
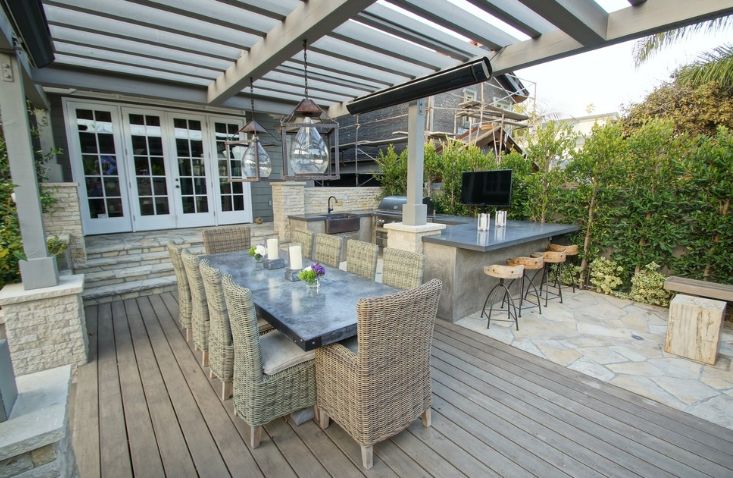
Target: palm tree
[[715, 65]]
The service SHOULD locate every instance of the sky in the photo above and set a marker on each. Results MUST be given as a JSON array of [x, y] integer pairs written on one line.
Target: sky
[[607, 78]]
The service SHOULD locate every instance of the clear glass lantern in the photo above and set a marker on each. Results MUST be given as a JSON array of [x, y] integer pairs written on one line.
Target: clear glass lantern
[[310, 145]]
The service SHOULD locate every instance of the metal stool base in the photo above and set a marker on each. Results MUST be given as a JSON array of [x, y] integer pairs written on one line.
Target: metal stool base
[[511, 309]]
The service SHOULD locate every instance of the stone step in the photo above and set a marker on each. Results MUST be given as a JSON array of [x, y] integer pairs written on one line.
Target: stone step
[[130, 273], [122, 250], [128, 290], [130, 260]]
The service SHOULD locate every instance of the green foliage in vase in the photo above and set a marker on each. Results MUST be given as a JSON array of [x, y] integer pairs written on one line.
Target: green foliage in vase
[[647, 286], [605, 275]]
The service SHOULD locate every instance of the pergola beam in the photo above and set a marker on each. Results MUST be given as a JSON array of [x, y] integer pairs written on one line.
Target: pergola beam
[[310, 20], [516, 15], [584, 20]]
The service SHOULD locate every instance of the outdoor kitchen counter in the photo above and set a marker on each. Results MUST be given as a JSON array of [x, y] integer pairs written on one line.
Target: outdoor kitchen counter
[[457, 257], [321, 216], [467, 236]]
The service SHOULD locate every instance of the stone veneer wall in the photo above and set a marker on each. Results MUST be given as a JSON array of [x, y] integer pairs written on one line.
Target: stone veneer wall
[[350, 199], [46, 327], [290, 198], [64, 217]]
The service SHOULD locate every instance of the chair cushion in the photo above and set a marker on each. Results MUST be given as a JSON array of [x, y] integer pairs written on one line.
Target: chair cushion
[[351, 344], [279, 353]]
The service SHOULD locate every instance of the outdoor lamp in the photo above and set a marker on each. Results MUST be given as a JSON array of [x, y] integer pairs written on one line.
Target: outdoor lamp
[[308, 140]]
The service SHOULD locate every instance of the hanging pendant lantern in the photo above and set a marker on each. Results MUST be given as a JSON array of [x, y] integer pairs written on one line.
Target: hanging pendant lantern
[[248, 160], [310, 144]]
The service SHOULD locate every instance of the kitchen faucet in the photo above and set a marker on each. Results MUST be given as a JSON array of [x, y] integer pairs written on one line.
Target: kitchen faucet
[[329, 203]]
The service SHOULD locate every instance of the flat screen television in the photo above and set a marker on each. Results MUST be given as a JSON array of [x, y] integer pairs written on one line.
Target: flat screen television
[[487, 188]]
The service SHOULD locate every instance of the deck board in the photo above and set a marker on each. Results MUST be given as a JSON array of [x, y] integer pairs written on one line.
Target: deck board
[[144, 406]]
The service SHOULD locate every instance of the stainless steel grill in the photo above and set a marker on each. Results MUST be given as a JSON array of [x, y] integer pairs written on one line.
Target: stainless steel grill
[[389, 210]]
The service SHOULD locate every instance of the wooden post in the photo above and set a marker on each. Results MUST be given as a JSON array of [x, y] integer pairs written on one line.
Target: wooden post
[[693, 329]]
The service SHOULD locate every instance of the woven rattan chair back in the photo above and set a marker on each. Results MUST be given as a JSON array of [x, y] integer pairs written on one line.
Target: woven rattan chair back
[[402, 269], [199, 308], [245, 335], [221, 350], [328, 250], [226, 239], [305, 239], [361, 258], [184, 292]]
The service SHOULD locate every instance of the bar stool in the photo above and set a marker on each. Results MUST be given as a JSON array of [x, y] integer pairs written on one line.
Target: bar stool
[[529, 264], [571, 251], [550, 258], [502, 273]]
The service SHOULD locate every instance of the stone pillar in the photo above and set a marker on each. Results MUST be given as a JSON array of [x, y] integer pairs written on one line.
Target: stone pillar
[[415, 213], [409, 238], [64, 217], [45, 327], [38, 270], [288, 198]]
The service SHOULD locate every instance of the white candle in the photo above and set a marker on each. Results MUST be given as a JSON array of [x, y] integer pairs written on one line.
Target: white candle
[[272, 249], [296, 257]]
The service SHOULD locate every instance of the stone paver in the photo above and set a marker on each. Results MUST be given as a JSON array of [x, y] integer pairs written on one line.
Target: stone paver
[[621, 342]]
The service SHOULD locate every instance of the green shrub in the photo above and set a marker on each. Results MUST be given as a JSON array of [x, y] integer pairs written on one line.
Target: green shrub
[[647, 286], [605, 275]]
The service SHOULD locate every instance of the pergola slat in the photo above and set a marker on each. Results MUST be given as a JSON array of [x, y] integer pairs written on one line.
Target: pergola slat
[[584, 20], [459, 20], [346, 66], [276, 9], [517, 15], [295, 79], [332, 76], [63, 35], [298, 90], [117, 29], [364, 36], [160, 21]]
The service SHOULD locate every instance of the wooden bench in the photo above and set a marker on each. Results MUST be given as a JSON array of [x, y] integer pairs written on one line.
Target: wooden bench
[[700, 288], [693, 328]]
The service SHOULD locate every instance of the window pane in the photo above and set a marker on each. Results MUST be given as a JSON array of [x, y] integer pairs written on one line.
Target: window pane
[[137, 119], [198, 167], [225, 187], [238, 203], [152, 121], [143, 187], [202, 205], [112, 186], [237, 188], [194, 125], [141, 166], [156, 146], [146, 207], [182, 148], [157, 166], [114, 207], [139, 146], [226, 203], [88, 142], [184, 167], [186, 186], [197, 149], [96, 207], [85, 114], [91, 165], [94, 187], [159, 187], [109, 165], [106, 143], [187, 203], [103, 116], [180, 123], [161, 205], [200, 185]]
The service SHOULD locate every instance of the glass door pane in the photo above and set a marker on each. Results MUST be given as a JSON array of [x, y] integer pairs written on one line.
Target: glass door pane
[[192, 181], [234, 198], [149, 171], [96, 163]]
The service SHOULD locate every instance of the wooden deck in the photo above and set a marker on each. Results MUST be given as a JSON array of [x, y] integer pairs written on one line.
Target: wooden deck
[[145, 407]]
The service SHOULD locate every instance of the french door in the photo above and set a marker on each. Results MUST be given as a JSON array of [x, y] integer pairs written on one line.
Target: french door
[[143, 169]]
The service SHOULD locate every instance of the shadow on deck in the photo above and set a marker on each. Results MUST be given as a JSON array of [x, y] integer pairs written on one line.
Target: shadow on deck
[[145, 407]]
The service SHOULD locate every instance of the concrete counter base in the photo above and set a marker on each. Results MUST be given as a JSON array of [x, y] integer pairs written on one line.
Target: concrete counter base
[[462, 271]]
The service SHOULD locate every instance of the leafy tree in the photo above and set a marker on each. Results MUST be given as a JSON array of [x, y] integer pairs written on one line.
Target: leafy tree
[[693, 110], [392, 171]]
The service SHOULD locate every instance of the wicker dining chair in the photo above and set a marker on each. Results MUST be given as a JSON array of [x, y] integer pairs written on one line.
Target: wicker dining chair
[[375, 392], [184, 292], [305, 239], [221, 348], [226, 239], [199, 308], [402, 269], [327, 249], [261, 396], [361, 258]]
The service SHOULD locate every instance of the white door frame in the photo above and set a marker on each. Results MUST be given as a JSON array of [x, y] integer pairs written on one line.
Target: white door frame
[[97, 225], [228, 217], [132, 220]]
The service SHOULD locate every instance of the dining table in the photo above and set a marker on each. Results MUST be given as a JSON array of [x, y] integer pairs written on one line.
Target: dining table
[[312, 319]]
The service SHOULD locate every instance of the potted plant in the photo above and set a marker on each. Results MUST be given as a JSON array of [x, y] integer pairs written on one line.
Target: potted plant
[[311, 275]]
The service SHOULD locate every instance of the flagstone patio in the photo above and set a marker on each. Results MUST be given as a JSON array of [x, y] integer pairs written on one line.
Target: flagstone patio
[[621, 342]]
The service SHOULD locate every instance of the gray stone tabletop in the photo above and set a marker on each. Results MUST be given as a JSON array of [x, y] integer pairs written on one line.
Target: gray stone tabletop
[[311, 320], [467, 236]]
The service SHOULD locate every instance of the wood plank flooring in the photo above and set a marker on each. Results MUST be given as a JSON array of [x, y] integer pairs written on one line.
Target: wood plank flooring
[[145, 407]]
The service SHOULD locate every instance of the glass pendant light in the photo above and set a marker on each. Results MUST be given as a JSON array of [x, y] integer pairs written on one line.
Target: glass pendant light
[[249, 160], [308, 153]]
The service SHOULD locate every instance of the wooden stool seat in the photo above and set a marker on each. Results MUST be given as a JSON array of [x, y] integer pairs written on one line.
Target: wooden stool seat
[[504, 272], [550, 257], [529, 263], [569, 250]]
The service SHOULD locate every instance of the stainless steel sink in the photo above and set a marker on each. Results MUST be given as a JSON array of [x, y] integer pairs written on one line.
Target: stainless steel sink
[[341, 222]]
